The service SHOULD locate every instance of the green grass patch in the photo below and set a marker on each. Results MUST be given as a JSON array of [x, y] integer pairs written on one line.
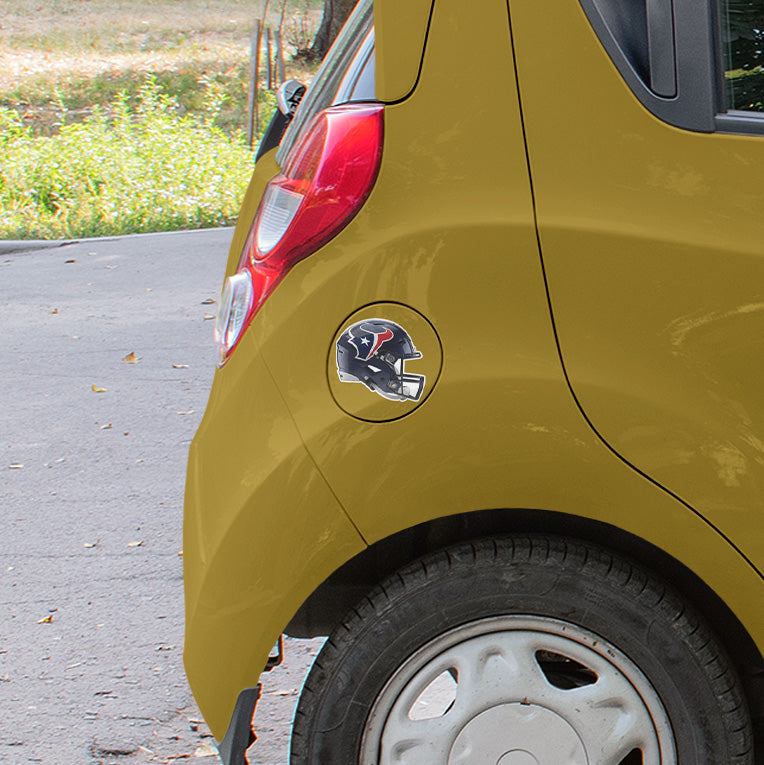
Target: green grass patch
[[139, 165], [43, 100]]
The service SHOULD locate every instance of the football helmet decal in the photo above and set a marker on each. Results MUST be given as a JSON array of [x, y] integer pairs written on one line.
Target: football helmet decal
[[374, 352]]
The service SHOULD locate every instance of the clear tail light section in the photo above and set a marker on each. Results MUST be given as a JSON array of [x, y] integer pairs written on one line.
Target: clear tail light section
[[327, 177], [235, 304]]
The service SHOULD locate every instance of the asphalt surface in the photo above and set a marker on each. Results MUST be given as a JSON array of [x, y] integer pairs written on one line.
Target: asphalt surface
[[92, 463]]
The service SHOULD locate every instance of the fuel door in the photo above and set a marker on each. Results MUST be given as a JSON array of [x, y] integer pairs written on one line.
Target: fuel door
[[384, 362]]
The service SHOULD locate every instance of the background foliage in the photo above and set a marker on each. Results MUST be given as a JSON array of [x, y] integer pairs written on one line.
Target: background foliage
[[118, 116], [743, 48], [134, 167]]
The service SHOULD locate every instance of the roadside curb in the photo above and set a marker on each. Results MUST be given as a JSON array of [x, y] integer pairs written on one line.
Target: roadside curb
[[9, 246], [17, 246]]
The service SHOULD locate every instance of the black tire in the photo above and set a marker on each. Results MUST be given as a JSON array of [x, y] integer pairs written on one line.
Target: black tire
[[550, 581]]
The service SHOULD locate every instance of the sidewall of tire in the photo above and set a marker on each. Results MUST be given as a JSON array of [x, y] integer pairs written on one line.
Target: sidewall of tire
[[546, 577]]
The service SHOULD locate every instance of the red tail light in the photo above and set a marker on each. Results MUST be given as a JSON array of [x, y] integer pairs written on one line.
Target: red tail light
[[327, 177]]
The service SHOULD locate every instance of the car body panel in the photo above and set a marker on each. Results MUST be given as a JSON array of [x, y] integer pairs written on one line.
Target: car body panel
[[401, 30], [261, 531], [285, 486], [460, 453], [651, 238]]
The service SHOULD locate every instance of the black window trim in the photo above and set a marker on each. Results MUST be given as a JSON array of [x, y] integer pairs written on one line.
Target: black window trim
[[746, 123], [699, 103]]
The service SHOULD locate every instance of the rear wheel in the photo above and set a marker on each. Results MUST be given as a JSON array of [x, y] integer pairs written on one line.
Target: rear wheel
[[517, 652]]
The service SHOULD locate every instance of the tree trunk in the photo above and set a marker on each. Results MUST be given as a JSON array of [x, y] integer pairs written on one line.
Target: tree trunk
[[335, 15]]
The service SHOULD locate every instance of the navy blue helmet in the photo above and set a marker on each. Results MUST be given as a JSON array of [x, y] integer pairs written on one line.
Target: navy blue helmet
[[373, 352]]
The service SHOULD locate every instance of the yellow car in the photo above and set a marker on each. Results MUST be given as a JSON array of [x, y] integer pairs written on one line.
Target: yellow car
[[490, 404]]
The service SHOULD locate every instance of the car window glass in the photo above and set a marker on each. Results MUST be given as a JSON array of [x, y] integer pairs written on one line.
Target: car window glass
[[364, 88], [742, 36], [323, 90], [359, 82]]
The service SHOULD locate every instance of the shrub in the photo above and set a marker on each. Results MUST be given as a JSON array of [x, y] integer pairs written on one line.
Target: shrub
[[136, 166]]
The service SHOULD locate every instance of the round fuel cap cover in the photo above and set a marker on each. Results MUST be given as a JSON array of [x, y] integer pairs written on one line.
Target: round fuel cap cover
[[384, 362]]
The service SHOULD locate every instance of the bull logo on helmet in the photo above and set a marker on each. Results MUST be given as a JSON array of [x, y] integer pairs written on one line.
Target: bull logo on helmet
[[374, 352]]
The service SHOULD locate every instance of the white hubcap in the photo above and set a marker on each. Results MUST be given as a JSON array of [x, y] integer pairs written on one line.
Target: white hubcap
[[518, 690], [517, 734]]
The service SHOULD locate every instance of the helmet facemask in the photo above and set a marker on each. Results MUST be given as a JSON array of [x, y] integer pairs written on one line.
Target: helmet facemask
[[406, 387]]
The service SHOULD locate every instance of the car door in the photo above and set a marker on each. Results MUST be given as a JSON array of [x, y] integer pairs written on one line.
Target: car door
[[645, 138]]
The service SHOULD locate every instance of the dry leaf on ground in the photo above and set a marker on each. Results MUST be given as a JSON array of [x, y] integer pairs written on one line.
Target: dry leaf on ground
[[205, 750], [96, 389], [46, 619], [131, 358], [135, 544]]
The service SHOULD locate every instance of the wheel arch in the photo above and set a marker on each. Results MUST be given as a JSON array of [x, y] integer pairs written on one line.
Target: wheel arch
[[342, 590]]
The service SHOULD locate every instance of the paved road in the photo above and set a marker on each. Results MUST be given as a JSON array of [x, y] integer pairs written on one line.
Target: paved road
[[91, 488]]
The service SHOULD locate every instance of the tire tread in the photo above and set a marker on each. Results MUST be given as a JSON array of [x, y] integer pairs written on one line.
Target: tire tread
[[462, 560]]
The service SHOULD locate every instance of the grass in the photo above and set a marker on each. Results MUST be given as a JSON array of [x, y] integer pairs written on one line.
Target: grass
[[119, 116], [42, 101], [140, 167]]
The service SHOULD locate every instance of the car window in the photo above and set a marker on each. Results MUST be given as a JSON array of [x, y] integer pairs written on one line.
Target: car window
[[742, 36], [344, 60], [359, 82]]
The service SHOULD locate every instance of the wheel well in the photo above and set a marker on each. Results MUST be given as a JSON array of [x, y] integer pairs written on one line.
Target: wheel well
[[341, 591]]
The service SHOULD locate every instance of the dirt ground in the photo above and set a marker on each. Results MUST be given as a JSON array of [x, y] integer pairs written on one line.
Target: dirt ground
[[88, 38]]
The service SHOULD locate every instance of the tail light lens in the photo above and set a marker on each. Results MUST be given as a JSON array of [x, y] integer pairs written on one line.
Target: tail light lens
[[327, 177]]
